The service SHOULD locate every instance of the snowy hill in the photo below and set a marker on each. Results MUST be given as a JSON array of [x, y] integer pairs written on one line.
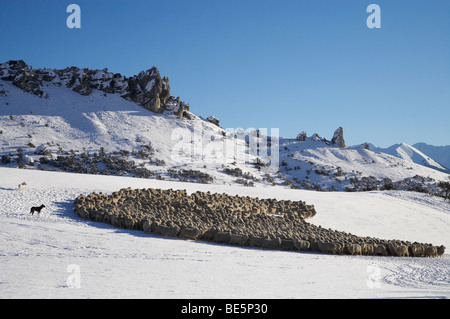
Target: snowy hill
[[315, 163], [119, 263], [124, 136], [93, 121], [411, 154], [439, 153]]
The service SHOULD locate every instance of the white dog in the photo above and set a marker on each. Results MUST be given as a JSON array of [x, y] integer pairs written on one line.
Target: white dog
[[22, 186]]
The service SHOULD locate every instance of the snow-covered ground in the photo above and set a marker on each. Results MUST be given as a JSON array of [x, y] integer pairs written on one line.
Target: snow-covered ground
[[58, 255]]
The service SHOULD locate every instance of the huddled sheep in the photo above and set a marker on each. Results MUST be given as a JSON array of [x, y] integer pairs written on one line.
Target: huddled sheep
[[235, 220]]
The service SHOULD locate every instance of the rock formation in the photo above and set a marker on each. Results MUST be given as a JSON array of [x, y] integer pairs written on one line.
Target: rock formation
[[147, 88], [22, 76], [338, 137], [301, 137], [213, 120]]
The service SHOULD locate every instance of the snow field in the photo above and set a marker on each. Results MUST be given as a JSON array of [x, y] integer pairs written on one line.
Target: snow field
[[36, 252]]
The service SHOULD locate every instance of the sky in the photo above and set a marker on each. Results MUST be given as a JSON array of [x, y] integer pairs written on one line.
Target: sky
[[295, 65]]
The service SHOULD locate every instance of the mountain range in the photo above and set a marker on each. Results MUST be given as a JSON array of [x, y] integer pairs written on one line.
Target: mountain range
[[97, 122]]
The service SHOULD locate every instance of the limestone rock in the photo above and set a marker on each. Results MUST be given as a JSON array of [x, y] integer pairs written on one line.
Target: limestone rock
[[29, 82], [365, 146], [213, 120], [338, 137], [147, 89], [301, 137]]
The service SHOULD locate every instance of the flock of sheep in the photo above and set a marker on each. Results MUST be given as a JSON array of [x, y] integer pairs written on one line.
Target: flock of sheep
[[235, 220]]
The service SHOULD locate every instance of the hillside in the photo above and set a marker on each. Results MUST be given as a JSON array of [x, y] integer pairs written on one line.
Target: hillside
[[93, 121], [439, 153], [317, 164], [411, 154]]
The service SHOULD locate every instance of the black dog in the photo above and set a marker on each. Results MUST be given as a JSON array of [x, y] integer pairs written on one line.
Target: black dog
[[36, 209]]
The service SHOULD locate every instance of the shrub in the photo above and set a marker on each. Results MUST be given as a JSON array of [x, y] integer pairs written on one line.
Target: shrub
[[6, 159], [445, 188]]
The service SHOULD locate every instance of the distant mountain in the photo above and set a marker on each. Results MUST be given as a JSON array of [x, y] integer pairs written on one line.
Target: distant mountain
[[96, 122], [439, 153], [316, 163], [412, 154]]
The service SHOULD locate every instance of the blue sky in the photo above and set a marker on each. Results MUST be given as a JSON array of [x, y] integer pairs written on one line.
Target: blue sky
[[295, 65]]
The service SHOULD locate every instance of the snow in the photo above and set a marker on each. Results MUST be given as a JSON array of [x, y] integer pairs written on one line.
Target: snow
[[150, 85], [411, 154], [331, 166], [38, 254], [441, 154]]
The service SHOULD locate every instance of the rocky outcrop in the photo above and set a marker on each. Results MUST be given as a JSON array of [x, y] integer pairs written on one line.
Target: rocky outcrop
[[338, 137], [183, 109], [365, 146], [9, 69], [147, 89], [29, 82], [302, 136], [213, 120], [22, 76], [235, 220]]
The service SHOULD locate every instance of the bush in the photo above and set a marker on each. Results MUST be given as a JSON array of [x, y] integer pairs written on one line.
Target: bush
[[388, 184], [6, 159], [445, 189]]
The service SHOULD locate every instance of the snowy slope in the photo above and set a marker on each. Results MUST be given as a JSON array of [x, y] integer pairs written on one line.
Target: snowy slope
[[411, 154], [67, 122], [37, 253], [79, 127], [320, 165], [439, 153]]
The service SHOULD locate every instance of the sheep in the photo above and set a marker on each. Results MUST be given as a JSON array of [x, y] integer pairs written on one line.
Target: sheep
[[287, 244], [430, 251], [129, 223], [330, 248], [401, 250], [440, 250], [391, 249], [167, 231], [271, 243], [83, 212], [417, 250], [189, 233], [302, 245], [255, 241], [368, 249], [238, 239], [380, 250], [222, 237], [354, 249]]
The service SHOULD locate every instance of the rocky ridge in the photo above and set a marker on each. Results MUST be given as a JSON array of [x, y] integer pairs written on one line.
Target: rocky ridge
[[147, 89]]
